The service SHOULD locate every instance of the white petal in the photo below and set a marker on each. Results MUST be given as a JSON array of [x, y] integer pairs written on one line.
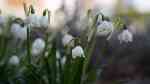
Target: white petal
[[44, 21], [125, 36], [34, 20], [77, 52]]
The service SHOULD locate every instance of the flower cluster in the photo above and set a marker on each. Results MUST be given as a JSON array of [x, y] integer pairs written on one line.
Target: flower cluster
[[51, 56]]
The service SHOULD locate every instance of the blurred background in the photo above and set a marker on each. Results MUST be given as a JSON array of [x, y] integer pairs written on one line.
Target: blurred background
[[136, 10], [107, 6]]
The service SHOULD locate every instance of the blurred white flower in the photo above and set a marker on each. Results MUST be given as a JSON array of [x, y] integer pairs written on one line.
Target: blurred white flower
[[67, 39], [106, 6], [77, 52], [44, 21], [63, 60], [14, 60], [104, 28], [70, 6], [38, 46], [33, 20], [141, 6], [19, 32], [125, 36]]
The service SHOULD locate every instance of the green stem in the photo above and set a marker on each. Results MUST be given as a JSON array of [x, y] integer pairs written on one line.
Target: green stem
[[89, 50], [28, 46]]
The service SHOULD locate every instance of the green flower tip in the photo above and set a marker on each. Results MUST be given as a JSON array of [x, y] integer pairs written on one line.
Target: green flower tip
[[46, 12], [32, 9]]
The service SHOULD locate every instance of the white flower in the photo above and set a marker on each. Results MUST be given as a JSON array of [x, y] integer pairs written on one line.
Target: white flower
[[67, 39], [125, 36], [33, 20], [44, 21], [38, 46], [18, 31], [104, 28], [14, 60], [77, 52]]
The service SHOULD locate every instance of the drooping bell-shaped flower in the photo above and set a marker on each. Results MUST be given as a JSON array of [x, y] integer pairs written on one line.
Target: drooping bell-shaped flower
[[33, 19], [44, 20], [14, 60], [125, 36], [38, 46], [67, 39], [77, 52], [104, 28], [19, 31]]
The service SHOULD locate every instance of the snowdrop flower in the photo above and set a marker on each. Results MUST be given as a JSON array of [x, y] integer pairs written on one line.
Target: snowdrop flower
[[44, 20], [33, 19], [77, 52], [125, 36], [38, 46], [14, 60], [67, 39], [104, 28], [19, 31]]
